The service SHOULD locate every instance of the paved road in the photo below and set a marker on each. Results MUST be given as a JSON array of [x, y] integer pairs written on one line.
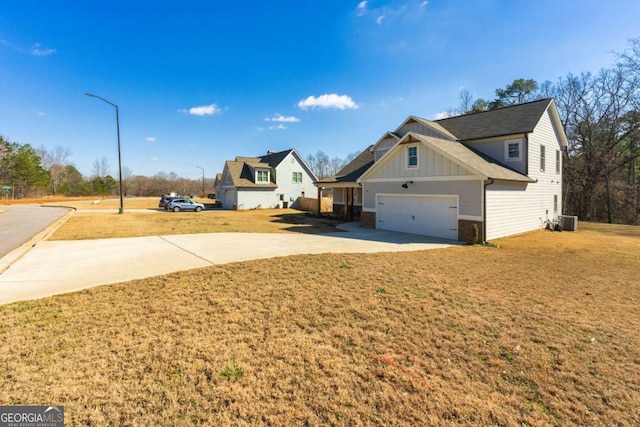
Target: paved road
[[19, 223]]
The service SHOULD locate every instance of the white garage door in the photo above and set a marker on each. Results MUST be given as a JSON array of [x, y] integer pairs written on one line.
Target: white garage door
[[426, 215], [229, 199]]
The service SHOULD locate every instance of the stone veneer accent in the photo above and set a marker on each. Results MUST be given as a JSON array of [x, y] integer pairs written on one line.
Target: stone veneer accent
[[465, 231], [368, 219]]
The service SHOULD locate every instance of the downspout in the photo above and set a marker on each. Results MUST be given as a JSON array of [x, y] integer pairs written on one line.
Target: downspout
[[525, 151], [484, 213]]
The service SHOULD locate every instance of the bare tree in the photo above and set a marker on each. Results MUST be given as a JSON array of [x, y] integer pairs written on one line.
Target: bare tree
[[55, 162], [101, 167], [466, 100], [595, 110], [319, 164]]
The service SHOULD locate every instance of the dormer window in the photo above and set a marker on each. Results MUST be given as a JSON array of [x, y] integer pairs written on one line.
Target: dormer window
[[513, 150], [262, 177]]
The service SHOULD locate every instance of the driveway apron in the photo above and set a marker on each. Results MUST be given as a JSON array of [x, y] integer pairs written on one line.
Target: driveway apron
[[55, 267]]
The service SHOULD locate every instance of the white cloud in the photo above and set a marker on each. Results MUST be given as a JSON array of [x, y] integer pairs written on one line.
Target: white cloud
[[277, 117], [362, 8], [40, 113], [39, 51], [157, 159], [150, 139], [341, 102], [424, 3], [379, 19], [203, 110], [278, 127], [441, 115]]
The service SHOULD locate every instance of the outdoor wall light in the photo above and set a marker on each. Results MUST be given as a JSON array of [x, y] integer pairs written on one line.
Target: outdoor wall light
[[406, 184]]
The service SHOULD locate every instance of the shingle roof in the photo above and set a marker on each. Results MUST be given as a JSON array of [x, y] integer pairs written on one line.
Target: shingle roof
[[516, 119], [471, 159], [274, 159], [241, 175], [352, 171]]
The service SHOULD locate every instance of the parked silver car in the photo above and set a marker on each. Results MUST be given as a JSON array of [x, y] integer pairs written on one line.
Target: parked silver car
[[164, 200], [178, 205]]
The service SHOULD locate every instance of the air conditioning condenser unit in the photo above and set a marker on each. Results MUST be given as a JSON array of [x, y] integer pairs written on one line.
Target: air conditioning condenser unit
[[569, 223]]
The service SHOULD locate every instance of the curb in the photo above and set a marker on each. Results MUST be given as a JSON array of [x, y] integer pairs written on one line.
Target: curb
[[9, 259]]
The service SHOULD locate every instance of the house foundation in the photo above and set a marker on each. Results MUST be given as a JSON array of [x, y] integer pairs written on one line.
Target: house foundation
[[465, 231], [368, 219]]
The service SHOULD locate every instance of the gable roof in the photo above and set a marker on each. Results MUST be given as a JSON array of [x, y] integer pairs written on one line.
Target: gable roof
[[459, 153], [242, 175], [512, 120], [352, 171], [382, 138], [274, 159], [428, 123]]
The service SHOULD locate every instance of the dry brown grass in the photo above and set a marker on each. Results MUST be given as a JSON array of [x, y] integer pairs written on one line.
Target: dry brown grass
[[82, 226], [542, 331], [99, 225]]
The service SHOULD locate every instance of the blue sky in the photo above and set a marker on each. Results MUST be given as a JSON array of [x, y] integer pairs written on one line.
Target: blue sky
[[200, 82]]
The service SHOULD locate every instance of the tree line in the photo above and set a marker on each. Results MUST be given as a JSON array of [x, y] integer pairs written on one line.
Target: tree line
[[37, 172], [600, 113]]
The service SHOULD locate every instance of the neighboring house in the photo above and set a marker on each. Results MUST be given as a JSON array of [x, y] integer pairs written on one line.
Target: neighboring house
[[270, 181], [500, 170]]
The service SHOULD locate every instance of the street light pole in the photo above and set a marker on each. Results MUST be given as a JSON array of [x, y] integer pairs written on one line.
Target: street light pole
[[203, 194], [121, 210]]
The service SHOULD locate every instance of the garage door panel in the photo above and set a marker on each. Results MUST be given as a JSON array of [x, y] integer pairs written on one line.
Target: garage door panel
[[430, 216]]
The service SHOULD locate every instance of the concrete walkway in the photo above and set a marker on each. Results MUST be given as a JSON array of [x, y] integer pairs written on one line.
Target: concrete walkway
[[55, 267]]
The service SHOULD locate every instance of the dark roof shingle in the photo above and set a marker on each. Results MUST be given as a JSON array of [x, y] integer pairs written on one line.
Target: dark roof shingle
[[516, 119]]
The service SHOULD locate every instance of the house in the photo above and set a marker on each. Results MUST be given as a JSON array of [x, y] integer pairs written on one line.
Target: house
[[347, 193], [270, 181], [498, 172]]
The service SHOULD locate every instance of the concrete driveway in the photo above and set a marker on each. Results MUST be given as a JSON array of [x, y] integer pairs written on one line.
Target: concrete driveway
[[55, 267]]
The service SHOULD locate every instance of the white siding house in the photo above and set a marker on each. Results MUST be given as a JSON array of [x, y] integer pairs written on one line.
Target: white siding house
[[496, 171], [274, 180]]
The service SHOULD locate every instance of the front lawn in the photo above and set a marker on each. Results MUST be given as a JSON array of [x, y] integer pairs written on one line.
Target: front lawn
[[541, 331]]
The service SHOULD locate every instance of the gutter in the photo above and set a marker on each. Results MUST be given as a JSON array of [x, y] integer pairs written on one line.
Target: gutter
[[484, 212]]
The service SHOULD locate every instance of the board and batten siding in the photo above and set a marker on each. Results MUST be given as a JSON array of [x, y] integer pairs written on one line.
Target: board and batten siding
[[430, 164], [469, 193], [514, 208], [420, 128]]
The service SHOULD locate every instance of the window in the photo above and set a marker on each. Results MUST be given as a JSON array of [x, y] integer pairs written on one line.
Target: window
[[412, 157], [297, 177], [262, 177], [555, 204], [513, 150], [357, 195], [542, 149], [557, 161]]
